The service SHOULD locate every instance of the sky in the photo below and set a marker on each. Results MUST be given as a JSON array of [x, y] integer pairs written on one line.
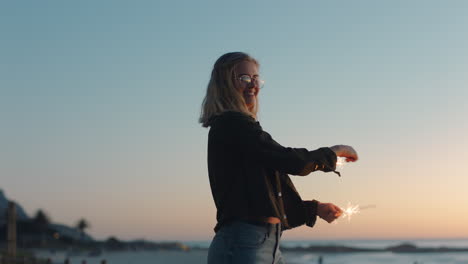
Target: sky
[[99, 102]]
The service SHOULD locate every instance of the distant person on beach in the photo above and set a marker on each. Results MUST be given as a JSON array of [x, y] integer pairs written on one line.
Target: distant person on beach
[[248, 171]]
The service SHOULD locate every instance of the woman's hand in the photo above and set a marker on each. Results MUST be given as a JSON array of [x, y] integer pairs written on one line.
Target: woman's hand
[[345, 151], [328, 211]]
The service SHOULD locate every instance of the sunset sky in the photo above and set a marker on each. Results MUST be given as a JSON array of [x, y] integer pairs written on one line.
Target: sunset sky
[[99, 102]]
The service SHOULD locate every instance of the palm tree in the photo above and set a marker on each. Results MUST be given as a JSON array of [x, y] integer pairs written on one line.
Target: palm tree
[[82, 225], [42, 221]]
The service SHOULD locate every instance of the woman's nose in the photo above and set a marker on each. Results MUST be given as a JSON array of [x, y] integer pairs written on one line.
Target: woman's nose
[[252, 84]]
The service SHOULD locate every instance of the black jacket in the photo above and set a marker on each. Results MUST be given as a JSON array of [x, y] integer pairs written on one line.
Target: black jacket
[[248, 172]]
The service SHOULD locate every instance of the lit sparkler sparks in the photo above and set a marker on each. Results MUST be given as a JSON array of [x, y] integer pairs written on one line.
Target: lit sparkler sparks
[[340, 162], [351, 210]]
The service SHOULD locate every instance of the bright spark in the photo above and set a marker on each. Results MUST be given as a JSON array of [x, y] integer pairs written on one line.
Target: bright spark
[[340, 162], [350, 210]]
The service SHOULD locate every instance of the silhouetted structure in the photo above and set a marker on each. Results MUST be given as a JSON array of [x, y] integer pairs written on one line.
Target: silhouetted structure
[[11, 227]]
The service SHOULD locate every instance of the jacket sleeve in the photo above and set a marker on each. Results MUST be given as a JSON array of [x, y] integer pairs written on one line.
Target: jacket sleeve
[[259, 146], [299, 212], [310, 209]]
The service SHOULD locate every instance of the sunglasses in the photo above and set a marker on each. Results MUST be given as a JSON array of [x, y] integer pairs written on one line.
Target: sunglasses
[[246, 79]]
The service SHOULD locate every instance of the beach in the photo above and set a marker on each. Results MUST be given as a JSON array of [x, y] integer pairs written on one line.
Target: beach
[[199, 257], [199, 250], [131, 257]]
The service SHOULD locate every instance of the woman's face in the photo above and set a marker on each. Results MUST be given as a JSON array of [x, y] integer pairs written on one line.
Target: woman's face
[[248, 90]]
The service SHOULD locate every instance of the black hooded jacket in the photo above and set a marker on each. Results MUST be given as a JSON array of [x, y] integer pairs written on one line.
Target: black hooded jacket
[[248, 172]]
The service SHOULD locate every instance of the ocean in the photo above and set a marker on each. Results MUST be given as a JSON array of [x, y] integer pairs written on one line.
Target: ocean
[[199, 256]]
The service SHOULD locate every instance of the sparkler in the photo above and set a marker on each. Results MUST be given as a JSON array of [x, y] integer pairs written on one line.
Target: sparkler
[[340, 162], [351, 210]]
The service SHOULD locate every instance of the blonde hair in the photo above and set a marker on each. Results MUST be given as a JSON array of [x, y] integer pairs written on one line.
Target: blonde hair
[[221, 93]]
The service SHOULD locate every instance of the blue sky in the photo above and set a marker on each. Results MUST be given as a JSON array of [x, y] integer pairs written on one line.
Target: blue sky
[[99, 104]]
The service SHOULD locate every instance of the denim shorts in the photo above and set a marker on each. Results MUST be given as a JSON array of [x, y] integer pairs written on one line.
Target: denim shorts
[[247, 243]]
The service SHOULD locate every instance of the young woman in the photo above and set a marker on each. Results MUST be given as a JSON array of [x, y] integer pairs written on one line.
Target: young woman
[[248, 170]]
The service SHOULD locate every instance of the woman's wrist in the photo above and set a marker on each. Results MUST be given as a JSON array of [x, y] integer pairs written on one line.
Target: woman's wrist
[[310, 208]]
